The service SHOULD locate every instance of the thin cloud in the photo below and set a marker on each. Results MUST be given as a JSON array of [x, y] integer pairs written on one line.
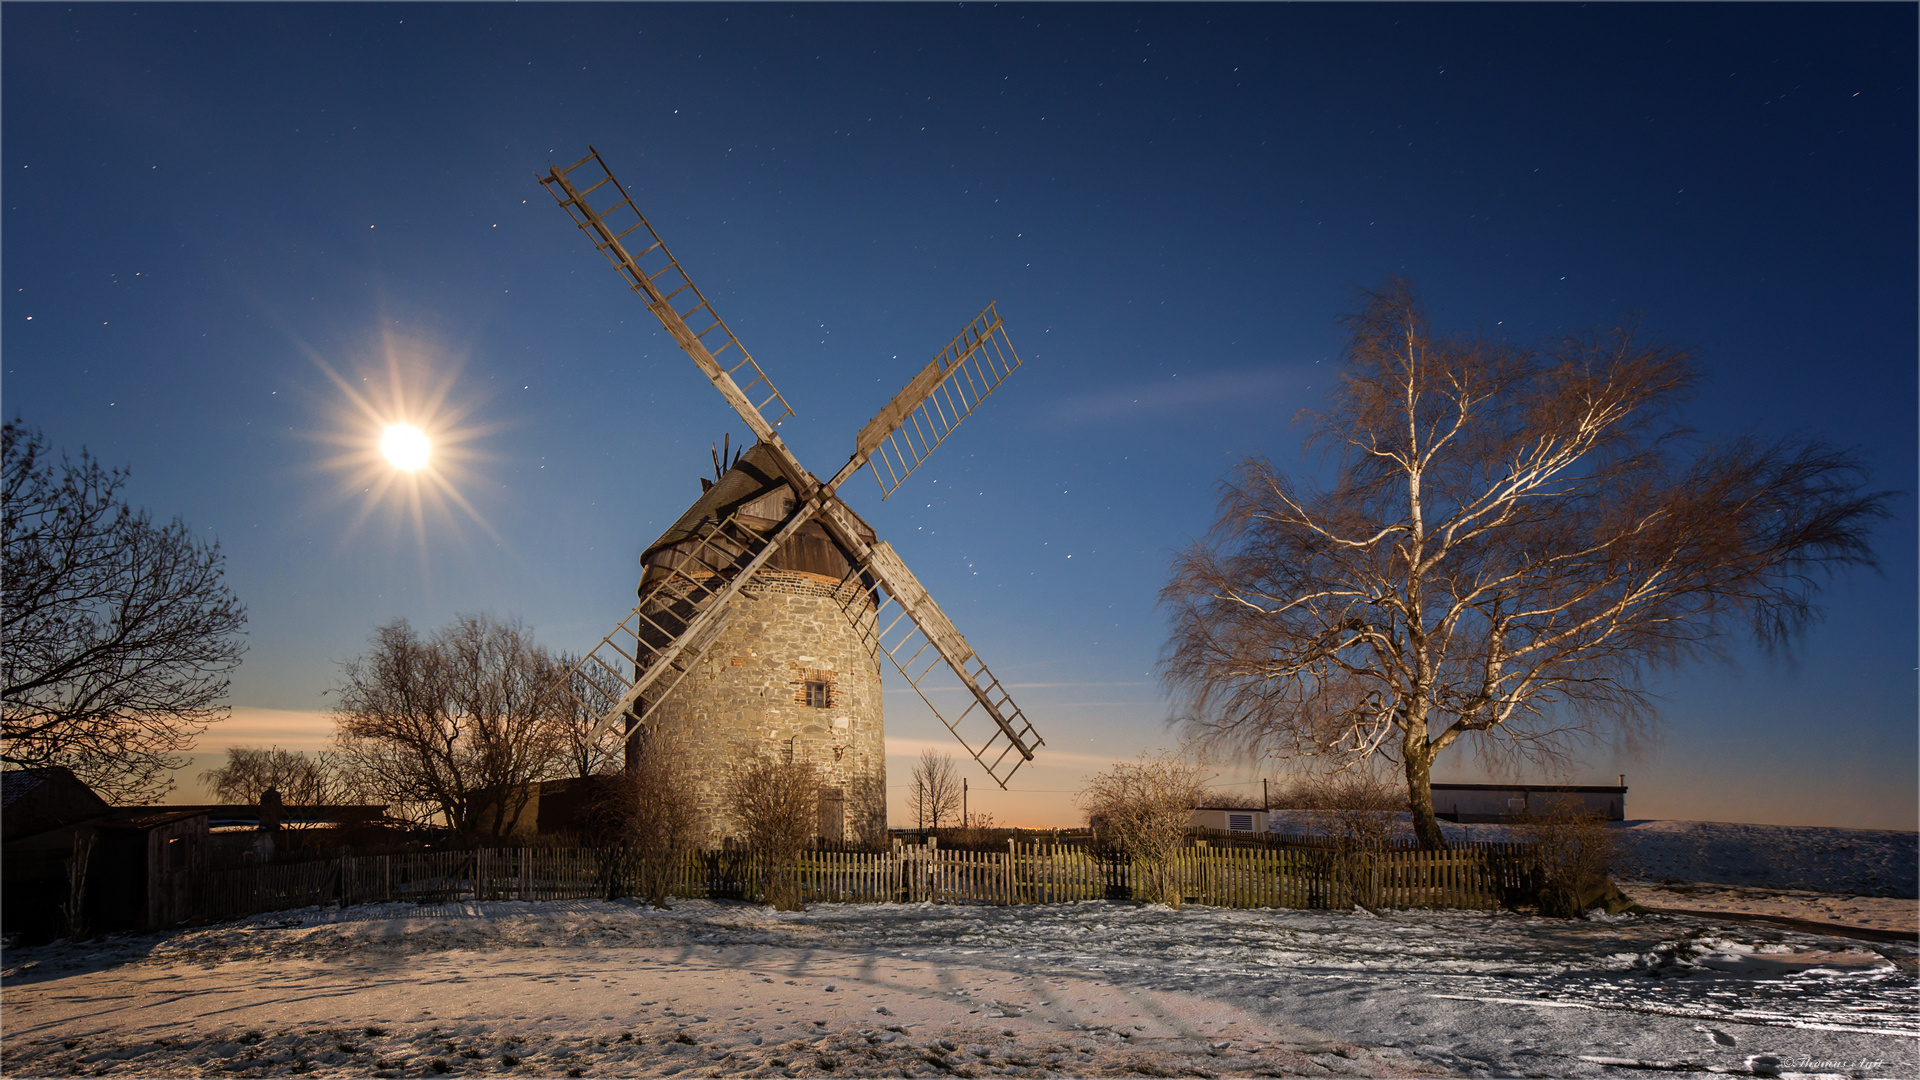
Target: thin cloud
[[1045, 757], [288, 729], [1192, 392]]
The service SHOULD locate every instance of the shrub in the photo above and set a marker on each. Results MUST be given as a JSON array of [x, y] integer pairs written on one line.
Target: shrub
[[1572, 853], [776, 803], [1358, 813], [1143, 810]]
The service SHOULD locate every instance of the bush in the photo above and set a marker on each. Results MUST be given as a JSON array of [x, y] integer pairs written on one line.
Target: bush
[[977, 833], [867, 812], [1143, 810], [1572, 853], [644, 821], [1358, 812], [776, 803]]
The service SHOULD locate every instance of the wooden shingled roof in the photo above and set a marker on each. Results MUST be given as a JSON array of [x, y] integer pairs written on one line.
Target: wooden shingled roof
[[754, 488]]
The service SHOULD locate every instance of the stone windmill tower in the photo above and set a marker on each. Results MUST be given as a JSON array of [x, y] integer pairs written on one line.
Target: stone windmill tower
[[789, 672], [764, 611]]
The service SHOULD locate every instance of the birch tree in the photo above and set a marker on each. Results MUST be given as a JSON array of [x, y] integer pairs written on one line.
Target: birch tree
[[1511, 540]]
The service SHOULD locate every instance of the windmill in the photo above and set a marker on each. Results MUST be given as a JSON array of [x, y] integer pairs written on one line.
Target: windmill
[[768, 509]]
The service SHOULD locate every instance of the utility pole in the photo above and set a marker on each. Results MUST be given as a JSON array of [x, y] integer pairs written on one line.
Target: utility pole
[[1266, 804], [965, 822]]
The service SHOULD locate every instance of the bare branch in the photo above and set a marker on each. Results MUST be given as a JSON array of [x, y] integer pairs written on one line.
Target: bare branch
[[119, 633], [454, 727]]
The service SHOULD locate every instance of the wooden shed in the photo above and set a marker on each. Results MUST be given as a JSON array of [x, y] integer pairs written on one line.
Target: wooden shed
[[149, 863], [138, 869]]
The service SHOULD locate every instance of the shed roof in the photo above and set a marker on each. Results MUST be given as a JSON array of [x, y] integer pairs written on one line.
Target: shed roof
[[17, 784], [36, 800]]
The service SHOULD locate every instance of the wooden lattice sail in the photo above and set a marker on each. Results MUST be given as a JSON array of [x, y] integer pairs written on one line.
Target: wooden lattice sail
[[686, 595]]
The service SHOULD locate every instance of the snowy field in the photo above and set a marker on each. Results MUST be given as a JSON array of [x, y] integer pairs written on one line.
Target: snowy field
[[1860, 862], [1865, 878], [718, 989]]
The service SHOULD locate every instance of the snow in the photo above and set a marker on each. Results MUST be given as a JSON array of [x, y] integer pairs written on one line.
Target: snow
[[1862, 862], [1094, 988], [1865, 878]]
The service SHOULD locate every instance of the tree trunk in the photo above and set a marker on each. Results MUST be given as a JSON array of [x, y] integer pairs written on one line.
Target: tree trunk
[[1426, 827]]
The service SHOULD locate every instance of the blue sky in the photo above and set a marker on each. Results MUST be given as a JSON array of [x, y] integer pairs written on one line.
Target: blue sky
[[219, 219]]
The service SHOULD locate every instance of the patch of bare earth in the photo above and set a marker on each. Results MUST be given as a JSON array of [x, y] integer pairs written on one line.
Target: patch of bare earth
[[1893, 914]]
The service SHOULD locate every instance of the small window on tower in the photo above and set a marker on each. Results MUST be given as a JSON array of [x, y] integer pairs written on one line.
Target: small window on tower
[[817, 693]]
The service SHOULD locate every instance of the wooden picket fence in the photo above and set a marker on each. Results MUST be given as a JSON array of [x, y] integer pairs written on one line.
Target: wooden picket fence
[[420, 877], [1022, 874]]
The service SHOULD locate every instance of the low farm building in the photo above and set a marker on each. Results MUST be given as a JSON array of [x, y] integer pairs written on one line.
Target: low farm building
[[1230, 819], [1506, 802]]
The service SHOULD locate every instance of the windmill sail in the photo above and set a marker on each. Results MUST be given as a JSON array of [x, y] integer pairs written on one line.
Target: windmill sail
[[675, 620], [676, 614], [918, 639], [945, 392], [656, 275]]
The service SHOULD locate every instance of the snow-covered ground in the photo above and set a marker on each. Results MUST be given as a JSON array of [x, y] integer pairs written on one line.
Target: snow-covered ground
[[1092, 988], [1857, 862], [1853, 877], [1096, 988]]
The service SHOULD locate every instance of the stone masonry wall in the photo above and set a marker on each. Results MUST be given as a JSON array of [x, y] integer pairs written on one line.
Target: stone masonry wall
[[747, 695]]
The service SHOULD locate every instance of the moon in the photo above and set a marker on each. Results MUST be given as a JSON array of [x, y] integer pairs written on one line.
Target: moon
[[405, 446]]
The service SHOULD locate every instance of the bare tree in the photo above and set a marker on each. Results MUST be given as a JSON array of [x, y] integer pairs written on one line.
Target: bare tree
[[119, 633], [249, 771], [454, 727], [1144, 809], [74, 909], [1514, 538], [775, 800], [1232, 800], [587, 755], [935, 789]]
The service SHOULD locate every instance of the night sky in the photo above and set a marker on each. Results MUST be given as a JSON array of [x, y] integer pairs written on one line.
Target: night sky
[[237, 235]]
